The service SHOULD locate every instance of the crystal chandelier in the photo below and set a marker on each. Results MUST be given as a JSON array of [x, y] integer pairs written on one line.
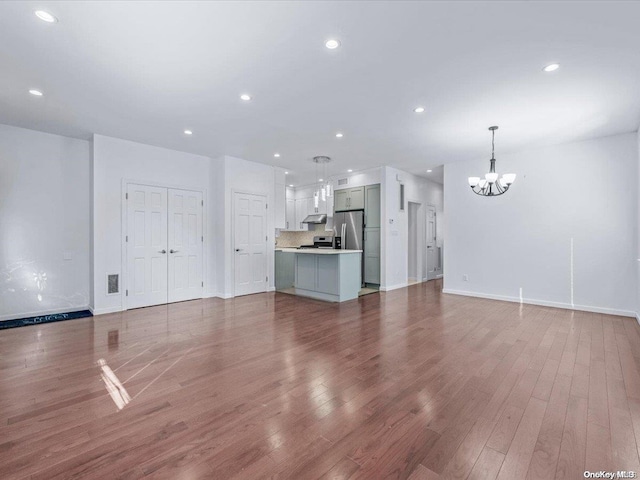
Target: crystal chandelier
[[324, 190], [491, 185]]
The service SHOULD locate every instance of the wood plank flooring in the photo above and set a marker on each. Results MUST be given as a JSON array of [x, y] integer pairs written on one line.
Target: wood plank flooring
[[409, 384]]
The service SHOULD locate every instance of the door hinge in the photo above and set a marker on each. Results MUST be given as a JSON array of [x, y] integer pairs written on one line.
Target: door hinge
[[202, 239], [266, 206], [266, 279], [126, 238], [127, 293], [266, 237], [126, 196], [202, 202], [202, 284]]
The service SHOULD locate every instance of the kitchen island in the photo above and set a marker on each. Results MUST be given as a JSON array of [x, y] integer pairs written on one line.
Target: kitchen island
[[326, 274]]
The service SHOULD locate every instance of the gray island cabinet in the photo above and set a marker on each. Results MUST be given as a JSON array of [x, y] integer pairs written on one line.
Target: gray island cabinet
[[327, 274]]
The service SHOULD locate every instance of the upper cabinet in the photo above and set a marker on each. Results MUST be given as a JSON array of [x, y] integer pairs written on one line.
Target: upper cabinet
[[340, 200], [280, 220], [349, 199], [372, 206]]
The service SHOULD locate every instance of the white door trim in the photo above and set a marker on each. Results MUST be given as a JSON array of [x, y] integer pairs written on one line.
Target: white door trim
[[231, 247], [124, 274]]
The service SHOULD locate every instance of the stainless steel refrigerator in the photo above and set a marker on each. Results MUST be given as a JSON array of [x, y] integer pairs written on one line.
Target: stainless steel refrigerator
[[349, 226]]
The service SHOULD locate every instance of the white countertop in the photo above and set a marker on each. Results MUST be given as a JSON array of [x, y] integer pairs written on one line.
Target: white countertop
[[315, 251]]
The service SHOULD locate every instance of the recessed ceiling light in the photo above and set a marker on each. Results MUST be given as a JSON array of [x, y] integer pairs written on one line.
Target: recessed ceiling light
[[188, 132], [332, 44], [552, 68], [349, 170], [245, 97], [418, 109], [429, 171], [339, 135], [286, 173], [37, 93], [45, 16], [320, 180], [277, 155], [291, 185]]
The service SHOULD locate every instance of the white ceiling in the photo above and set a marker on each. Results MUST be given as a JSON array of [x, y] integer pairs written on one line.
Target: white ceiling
[[145, 71]]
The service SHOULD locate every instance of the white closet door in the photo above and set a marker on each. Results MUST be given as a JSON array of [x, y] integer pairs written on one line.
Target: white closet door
[[185, 245], [250, 238], [146, 245]]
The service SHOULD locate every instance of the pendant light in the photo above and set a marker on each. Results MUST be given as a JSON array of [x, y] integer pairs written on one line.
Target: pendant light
[[491, 185], [323, 190]]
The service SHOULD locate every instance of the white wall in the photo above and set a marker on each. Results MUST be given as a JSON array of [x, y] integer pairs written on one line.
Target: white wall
[[115, 160], [584, 191], [638, 234], [246, 177], [44, 223], [395, 226]]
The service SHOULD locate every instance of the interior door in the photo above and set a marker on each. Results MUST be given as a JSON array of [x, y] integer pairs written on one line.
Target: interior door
[[250, 239], [146, 245], [432, 261], [185, 242]]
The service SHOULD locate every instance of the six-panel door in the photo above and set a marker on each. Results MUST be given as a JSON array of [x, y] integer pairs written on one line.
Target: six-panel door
[[146, 245], [185, 245], [164, 245]]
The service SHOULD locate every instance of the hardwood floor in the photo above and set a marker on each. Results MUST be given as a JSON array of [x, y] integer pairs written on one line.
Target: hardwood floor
[[405, 384]]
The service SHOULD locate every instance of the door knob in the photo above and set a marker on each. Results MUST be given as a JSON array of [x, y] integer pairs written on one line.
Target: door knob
[[238, 249], [163, 251], [173, 251]]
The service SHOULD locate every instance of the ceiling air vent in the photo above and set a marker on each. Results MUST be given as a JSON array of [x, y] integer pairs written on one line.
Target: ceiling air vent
[[113, 284], [343, 181]]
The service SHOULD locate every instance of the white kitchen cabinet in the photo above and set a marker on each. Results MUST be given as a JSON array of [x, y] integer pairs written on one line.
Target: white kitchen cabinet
[[280, 220], [372, 255], [290, 212], [349, 199], [372, 206]]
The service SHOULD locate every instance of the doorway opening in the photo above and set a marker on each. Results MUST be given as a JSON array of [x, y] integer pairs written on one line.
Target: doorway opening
[[415, 243], [434, 251]]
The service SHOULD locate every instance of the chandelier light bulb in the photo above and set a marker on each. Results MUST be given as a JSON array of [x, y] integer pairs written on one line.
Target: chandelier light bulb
[[491, 177], [509, 178], [473, 181]]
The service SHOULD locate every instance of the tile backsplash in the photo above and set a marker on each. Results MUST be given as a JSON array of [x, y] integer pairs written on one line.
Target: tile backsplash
[[295, 239]]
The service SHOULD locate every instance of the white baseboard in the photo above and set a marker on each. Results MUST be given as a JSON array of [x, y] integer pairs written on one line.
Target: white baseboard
[[638, 318], [440, 275], [392, 287], [104, 311], [39, 313], [271, 289], [224, 296], [544, 303]]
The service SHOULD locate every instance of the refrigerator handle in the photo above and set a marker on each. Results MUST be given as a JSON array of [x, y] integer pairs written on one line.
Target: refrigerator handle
[[343, 238]]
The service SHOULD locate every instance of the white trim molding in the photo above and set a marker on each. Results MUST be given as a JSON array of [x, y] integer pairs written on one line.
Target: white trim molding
[[393, 287], [104, 311], [543, 303]]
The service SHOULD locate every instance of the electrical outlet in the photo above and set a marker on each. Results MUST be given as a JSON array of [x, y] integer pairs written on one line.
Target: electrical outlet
[[465, 278]]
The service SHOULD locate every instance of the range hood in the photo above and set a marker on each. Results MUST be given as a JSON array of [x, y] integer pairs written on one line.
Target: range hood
[[317, 218]]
